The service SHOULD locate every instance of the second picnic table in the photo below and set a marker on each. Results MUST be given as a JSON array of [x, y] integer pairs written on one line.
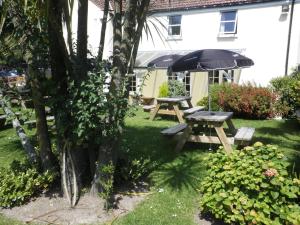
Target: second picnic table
[[173, 107], [215, 121]]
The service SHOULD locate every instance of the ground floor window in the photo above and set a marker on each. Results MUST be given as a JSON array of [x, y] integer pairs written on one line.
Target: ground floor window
[[132, 83], [184, 78], [221, 76]]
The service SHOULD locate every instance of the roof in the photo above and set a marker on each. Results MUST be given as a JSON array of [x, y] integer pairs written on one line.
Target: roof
[[172, 5]]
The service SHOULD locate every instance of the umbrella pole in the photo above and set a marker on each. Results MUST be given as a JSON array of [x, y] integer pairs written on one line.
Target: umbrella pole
[[208, 90]]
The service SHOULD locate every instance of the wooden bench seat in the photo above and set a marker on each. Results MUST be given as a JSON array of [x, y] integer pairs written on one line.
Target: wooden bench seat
[[174, 130], [244, 135], [147, 108], [193, 110]]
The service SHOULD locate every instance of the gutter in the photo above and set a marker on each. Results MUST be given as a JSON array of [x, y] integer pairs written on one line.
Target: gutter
[[289, 39]]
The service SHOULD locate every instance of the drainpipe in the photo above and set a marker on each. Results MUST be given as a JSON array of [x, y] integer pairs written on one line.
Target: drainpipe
[[289, 39]]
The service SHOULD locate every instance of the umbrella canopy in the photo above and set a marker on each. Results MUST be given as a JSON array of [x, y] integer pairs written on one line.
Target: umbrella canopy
[[164, 61], [210, 59]]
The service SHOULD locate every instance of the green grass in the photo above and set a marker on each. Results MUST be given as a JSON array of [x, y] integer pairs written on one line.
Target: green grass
[[174, 180], [7, 221], [179, 175]]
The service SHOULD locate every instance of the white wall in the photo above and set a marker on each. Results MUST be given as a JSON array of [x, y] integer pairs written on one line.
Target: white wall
[[261, 35], [95, 15]]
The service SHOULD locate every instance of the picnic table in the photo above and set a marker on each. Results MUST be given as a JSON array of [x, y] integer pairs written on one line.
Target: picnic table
[[214, 121], [173, 107]]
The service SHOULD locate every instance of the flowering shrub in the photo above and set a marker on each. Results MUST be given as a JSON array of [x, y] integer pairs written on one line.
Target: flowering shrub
[[251, 186], [245, 101]]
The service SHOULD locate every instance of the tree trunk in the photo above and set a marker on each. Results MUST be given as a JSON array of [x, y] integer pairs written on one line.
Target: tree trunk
[[103, 30], [141, 19], [105, 156], [32, 156], [48, 160], [82, 39], [68, 18]]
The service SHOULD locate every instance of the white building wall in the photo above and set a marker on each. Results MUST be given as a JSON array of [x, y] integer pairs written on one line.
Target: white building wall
[[95, 15], [261, 35]]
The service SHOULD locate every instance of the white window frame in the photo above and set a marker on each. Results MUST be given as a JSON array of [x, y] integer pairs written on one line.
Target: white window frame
[[228, 21], [221, 76], [170, 36]]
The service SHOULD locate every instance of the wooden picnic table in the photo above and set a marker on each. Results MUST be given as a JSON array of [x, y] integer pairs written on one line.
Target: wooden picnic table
[[173, 107]]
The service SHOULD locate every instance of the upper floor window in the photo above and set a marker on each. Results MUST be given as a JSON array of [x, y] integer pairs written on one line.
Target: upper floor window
[[174, 26], [228, 22]]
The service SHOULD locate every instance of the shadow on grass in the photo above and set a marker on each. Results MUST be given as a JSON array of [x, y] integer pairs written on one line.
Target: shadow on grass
[[183, 173]]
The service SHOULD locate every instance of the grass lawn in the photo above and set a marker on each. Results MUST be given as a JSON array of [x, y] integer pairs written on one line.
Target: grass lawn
[[175, 178]]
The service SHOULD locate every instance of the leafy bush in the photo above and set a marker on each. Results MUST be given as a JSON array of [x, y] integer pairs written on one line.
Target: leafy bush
[[106, 181], [251, 186], [163, 90], [288, 89], [172, 88], [176, 88], [245, 101], [20, 182], [133, 170], [214, 94]]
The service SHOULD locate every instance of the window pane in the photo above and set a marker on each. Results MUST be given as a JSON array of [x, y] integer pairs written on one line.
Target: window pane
[[229, 27], [174, 30], [226, 16], [174, 19]]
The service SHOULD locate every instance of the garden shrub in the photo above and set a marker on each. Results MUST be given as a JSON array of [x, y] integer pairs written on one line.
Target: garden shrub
[[244, 101], [133, 170], [251, 186], [163, 90], [20, 182], [172, 88], [176, 88], [288, 89]]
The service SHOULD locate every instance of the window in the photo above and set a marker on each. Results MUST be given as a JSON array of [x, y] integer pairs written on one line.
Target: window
[[184, 78], [174, 27], [228, 22], [132, 83], [221, 76]]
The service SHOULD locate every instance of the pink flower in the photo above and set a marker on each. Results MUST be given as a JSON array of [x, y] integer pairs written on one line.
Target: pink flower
[[271, 172]]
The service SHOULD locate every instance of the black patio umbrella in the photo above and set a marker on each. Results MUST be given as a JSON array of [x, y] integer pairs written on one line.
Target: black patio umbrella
[[164, 61], [210, 60]]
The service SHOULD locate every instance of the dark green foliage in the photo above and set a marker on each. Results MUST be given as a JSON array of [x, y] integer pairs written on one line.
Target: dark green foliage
[[288, 88], [107, 172], [251, 186], [91, 109], [20, 182], [133, 170], [245, 101]]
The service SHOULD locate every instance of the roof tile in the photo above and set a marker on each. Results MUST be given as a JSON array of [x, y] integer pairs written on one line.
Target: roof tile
[[172, 5]]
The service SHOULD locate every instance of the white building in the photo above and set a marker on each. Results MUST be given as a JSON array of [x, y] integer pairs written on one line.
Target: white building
[[258, 29]]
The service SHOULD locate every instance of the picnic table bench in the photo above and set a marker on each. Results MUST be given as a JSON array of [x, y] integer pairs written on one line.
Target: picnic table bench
[[173, 108], [212, 120]]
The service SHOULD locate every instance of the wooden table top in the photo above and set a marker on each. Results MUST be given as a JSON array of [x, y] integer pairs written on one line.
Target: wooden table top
[[174, 99], [211, 116]]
